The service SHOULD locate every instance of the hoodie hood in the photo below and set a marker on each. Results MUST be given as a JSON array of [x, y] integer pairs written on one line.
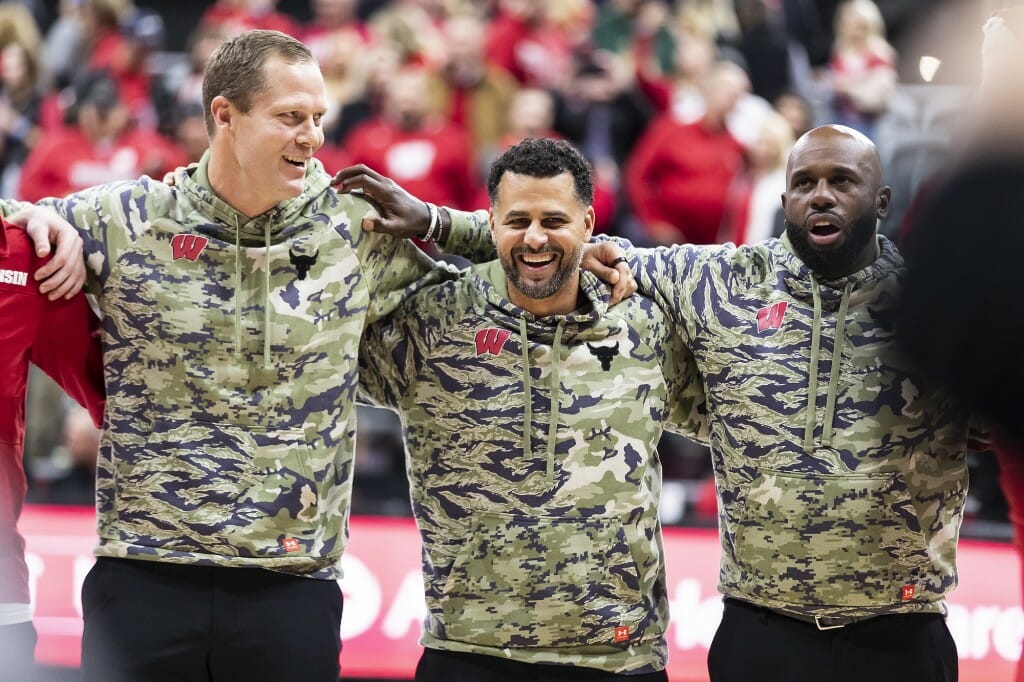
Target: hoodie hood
[[272, 227], [588, 321], [275, 226], [800, 280]]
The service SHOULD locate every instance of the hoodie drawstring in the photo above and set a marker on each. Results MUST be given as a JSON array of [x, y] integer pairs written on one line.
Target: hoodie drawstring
[[527, 388], [266, 295], [555, 380], [812, 384], [837, 357], [266, 292], [833, 381], [556, 394], [238, 288]]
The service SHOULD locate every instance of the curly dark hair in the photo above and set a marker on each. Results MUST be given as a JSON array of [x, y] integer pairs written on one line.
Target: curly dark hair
[[544, 158]]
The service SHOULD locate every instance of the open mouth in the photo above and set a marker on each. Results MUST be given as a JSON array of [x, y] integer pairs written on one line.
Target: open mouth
[[536, 261], [824, 230], [297, 161]]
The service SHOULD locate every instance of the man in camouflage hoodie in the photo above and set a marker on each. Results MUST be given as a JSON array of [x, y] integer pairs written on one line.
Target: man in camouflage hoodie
[[839, 466], [233, 304], [531, 413]]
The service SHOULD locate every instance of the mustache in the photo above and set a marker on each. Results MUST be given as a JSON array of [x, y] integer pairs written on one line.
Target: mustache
[[547, 248]]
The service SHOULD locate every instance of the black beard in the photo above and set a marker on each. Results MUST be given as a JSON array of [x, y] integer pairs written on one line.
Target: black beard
[[834, 263], [568, 266]]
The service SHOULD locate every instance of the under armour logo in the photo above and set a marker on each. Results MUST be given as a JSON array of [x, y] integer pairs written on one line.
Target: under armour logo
[[491, 340], [187, 246], [604, 354], [302, 263]]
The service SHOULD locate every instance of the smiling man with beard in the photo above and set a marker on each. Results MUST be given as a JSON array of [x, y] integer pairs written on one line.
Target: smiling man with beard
[[531, 412]]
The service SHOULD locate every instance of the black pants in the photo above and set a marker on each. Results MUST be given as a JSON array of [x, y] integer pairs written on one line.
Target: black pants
[[451, 666], [756, 644], [17, 649], [160, 622]]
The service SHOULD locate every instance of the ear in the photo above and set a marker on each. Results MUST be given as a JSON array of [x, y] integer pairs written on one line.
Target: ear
[[588, 221], [783, 201], [222, 111], [490, 223], [882, 200]]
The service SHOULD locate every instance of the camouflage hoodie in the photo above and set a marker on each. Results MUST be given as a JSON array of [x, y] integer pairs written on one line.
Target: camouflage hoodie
[[230, 348], [534, 475], [840, 470]]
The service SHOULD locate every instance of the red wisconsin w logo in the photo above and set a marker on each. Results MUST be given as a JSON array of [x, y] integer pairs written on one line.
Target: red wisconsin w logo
[[188, 246], [491, 340], [771, 316]]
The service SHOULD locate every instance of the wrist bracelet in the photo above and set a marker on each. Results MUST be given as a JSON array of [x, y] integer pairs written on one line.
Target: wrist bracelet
[[434, 222]]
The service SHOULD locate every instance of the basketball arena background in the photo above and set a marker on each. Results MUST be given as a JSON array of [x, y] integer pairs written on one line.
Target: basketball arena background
[[384, 597]]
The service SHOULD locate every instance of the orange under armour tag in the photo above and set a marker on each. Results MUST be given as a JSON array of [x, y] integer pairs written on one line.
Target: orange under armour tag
[[290, 545], [622, 633], [907, 592]]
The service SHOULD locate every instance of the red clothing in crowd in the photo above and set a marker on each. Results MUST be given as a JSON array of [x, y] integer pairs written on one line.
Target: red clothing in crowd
[[57, 336], [239, 19], [535, 55], [1011, 480], [66, 161], [134, 84], [680, 174], [434, 163]]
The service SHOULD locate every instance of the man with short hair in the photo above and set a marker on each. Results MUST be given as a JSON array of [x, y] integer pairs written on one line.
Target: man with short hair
[[232, 304], [532, 412], [839, 465]]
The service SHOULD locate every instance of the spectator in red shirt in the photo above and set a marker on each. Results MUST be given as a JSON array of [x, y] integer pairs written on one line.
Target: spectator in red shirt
[[101, 148], [126, 58], [237, 16], [57, 336], [523, 41], [409, 142], [679, 174]]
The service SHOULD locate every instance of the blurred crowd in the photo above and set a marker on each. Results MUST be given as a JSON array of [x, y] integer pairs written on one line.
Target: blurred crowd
[[686, 109]]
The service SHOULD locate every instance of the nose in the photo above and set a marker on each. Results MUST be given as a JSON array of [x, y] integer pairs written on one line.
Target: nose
[[536, 237], [823, 197], [310, 135]]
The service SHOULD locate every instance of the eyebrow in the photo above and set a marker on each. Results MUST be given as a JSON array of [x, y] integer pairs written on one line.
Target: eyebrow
[[546, 214], [832, 170]]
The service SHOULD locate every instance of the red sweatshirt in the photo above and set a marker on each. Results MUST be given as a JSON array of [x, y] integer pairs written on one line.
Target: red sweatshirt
[[680, 174], [66, 161], [57, 336], [434, 163]]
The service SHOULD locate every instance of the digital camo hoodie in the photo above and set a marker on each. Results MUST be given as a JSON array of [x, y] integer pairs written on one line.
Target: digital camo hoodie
[[533, 470], [229, 347], [840, 470]]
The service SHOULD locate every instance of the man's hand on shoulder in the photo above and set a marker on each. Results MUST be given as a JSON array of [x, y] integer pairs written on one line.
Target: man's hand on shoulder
[[608, 262], [64, 275], [398, 212]]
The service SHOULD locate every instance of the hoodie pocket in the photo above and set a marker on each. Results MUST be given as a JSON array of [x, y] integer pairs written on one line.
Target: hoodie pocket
[[220, 489], [524, 581], [832, 540]]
